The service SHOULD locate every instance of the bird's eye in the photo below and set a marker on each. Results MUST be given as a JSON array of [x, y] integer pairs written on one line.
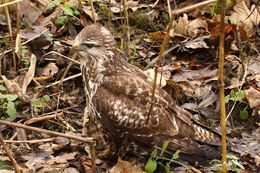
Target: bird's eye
[[88, 45]]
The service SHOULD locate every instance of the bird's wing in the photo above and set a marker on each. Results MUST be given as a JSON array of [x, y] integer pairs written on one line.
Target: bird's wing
[[124, 100]]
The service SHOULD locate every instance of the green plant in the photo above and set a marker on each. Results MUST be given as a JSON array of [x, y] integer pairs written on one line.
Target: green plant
[[53, 4], [235, 96], [155, 159], [238, 97], [233, 164], [8, 103], [40, 102], [216, 6], [70, 11]]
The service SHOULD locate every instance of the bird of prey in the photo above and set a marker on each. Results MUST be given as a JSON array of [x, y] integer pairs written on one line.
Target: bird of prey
[[119, 94]]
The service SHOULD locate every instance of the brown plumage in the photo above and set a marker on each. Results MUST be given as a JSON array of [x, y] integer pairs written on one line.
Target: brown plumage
[[120, 95]]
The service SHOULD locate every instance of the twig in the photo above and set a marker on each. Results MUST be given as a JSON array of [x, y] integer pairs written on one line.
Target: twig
[[17, 17], [92, 11], [41, 78], [34, 141], [60, 110], [66, 79], [126, 25], [43, 118], [67, 68], [25, 42], [7, 15], [10, 155], [169, 9], [68, 58], [156, 2], [158, 63], [221, 85], [109, 15], [10, 3], [68, 126], [192, 7], [39, 130]]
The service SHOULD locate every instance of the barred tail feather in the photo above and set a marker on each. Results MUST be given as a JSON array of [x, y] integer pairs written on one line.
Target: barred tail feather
[[206, 135]]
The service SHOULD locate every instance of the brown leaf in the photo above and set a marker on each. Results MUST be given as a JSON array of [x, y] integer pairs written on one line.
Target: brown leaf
[[248, 145], [87, 11], [253, 97], [29, 11], [14, 88], [242, 16], [65, 157], [49, 70], [160, 80], [197, 27], [30, 74], [124, 166], [35, 160], [181, 27], [87, 164], [158, 36]]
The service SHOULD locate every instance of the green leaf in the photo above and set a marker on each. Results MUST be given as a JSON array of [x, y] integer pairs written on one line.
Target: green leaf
[[232, 157], [235, 96], [154, 154], [10, 109], [176, 155], [76, 12], [2, 88], [167, 167], [243, 115], [150, 166], [240, 96], [56, 2], [61, 20], [68, 10], [236, 162], [46, 98], [9, 97], [165, 145], [232, 94], [53, 4], [36, 103], [227, 98]]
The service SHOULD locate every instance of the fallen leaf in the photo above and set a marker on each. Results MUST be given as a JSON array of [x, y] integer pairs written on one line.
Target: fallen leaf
[[242, 16], [208, 101], [35, 160], [181, 27], [249, 144], [50, 69], [197, 43], [13, 88], [115, 9], [88, 11], [197, 27], [30, 74], [29, 11], [253, 97], [125, 166], [160, 80], [65, 157]]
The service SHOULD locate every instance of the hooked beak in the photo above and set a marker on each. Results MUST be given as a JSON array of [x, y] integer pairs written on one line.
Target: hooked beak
[[76, 44]]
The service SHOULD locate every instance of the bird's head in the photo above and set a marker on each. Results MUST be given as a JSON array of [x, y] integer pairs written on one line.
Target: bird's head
[[94, 41]]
